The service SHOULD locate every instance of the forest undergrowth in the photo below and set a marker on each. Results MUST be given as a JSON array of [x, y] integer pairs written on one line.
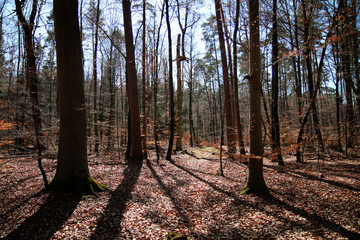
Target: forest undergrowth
[[317, 199]]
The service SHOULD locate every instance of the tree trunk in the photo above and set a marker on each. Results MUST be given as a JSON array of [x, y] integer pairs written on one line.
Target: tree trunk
[[95, 82], [230, 124], [72, 172], [136, 151], [236, 88], [308, 60], [275, 125], [318, 81], [32, 76], [347, 75], [255, 181], [156, 81], [178, 98], [144, 81], [171, 86], [190, 85], [111, 77]]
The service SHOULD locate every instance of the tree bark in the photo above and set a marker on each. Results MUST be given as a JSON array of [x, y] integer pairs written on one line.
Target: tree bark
[[275, 125], [136, 151], [178, 97], [72, 172], [95, 82], [171, 86], [255, 181], [111, 97], [144, 81]]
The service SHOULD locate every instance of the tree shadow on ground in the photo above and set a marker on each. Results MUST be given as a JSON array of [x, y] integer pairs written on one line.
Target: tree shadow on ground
[[50, 217], [312, 217], [109, 224], [319, 179], [237, 200], [169, 193]]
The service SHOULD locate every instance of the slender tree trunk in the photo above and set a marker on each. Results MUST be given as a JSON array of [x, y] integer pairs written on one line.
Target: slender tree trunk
[[255, 181], [178, 98], [275, 125], [220, 101], [156, 81], [236, 87], [190, 85], [296, 63], [72, 172], [95, 82], [338, 103], [317, 86], [136, 151], [144, 130], [171, 86], [308, 61], [112, 98], [32, 76], [230, 124]]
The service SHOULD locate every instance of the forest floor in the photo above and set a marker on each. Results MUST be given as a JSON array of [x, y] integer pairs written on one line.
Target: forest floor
[[318, 199]]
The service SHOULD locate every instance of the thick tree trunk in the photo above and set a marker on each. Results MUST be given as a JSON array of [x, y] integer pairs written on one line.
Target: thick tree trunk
[[255, 181], [136, 149], [72, 172]]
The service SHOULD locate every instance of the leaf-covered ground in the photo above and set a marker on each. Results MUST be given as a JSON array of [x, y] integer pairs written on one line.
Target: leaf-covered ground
[[312, 200]]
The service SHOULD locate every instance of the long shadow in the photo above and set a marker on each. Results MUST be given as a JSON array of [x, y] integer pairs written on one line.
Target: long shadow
[[51, 216], [108, 225], [334, 183], [319, 179], [212, 185], [201, 158], [169, 194], [18, 205], [312, 217]]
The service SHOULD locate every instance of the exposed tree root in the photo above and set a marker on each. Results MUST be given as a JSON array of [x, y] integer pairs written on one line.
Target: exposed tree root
[[77, 184]]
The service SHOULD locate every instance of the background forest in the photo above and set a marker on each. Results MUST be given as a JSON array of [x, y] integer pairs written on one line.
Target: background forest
[[317, 61], [223, 119]]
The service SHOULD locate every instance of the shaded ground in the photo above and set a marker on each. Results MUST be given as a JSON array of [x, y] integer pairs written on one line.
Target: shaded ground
[[312, 200]]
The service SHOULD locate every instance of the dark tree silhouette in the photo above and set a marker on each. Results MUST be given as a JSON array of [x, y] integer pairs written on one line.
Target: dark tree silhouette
[[72, 172]]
